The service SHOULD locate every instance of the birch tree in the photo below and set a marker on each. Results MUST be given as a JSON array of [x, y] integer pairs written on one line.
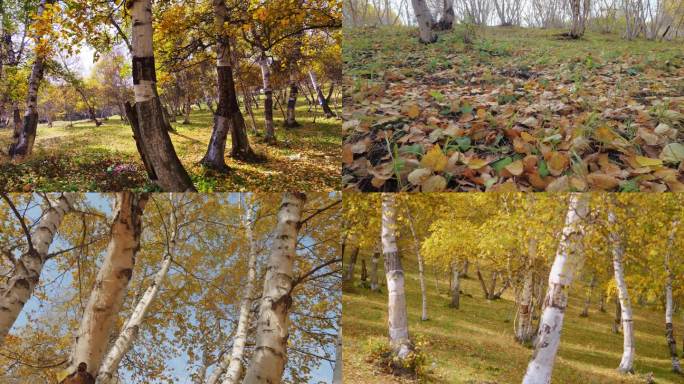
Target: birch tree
[[579, 12], [421, 274], [131, 328], [15, 291], [232, 363], [147, 116], [228, 117], [669, 307], [568, 258], [108, 293], [394, 273], [269, 356], [425, 21], [618, 251], [22, 143]]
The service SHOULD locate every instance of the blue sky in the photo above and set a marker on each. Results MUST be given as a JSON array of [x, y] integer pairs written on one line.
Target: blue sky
[[179, 366]]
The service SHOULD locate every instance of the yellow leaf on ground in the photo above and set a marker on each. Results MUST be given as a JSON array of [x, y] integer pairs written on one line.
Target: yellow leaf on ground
[[515, 168], [413, 111], [603, 182], [476, 163], [434, 159], [648, 162]]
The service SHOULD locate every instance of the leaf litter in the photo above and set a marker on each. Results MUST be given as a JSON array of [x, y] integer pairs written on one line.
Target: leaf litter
[[592, 124]]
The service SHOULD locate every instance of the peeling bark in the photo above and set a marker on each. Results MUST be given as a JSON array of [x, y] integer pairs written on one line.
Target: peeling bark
[[270, 353], [19, 287], [150, 131], [394, 273], [111, 283], [567, 259], [228, 117], [129, 332]]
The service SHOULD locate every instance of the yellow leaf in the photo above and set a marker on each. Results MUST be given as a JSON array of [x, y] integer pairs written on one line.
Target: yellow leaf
[[435, 183], [434, 159], [557, 163], [527, 137], [481, 113], [648, 162], [515, 168], [413, 111], [476, 163]]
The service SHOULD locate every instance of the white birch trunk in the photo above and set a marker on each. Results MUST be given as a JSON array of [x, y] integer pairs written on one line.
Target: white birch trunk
[[110, 286], [394, 273], [618, 250], [233, 362], [129, 332], [567, 260], [270, 353], [425, 21], [18, 289], [669, 307], [455, 286], [421, 274], [337, 373]]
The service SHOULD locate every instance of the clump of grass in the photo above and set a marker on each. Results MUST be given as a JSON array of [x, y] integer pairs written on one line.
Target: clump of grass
[[413, 366]]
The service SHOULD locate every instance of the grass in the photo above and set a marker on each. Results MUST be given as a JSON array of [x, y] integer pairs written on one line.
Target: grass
[[475, 344], [82, 157], [367, 52]]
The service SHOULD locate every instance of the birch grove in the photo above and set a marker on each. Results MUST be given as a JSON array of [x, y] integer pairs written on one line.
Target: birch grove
[[546, 265], [132, 295]]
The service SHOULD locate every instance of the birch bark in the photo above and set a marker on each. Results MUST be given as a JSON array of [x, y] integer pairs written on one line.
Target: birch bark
[[270, 352], [618, 250], [567, 260], [18, 289], [394, 273], [110, 286]]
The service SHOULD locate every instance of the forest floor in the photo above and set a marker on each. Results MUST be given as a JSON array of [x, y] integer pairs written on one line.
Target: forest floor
[[475, 344], [82, 157], [518, 109]]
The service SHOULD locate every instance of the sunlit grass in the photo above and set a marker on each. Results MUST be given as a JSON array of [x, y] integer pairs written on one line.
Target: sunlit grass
[[475, 343], [76, 156]]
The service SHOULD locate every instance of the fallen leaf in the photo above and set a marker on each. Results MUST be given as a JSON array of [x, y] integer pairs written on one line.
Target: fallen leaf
[[557, 163], [601, 181], [515, 168], [435, 183], [672, 153], [434, 159], [418, 176]]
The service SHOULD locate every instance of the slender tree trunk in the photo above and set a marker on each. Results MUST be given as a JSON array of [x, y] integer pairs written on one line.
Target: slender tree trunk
[[321, 98], [669, 310], [147, 118], [129, 332], [364, 271], [602, 302], [394, 273], [110, 286], [349, 273], [568, 257], [524, 331], [455, 286], [421, 274], [618, 250], [466, 266], [617, 320], [269, 131], [228, 117], [187, 108], [337, 373], [232, 363], [270, 353], [290, 120], [374, 271], [425, 21], [91, 110], [22, 144], [587, 299], [17, 290]]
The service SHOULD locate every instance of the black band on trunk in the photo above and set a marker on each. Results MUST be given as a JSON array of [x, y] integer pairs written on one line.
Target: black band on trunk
[[143, 69]]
